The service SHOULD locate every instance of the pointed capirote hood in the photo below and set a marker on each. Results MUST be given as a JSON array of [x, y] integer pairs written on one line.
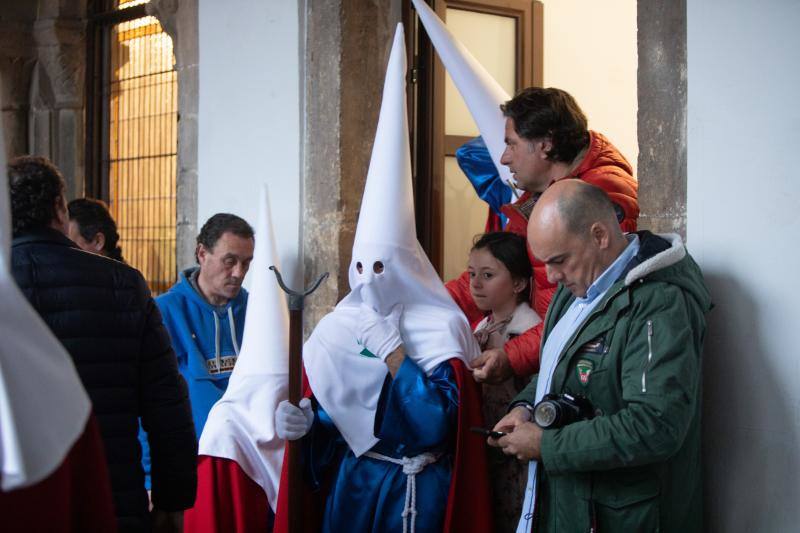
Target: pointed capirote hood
[[241, 425], [388, 268], [481, 92], [386, 232], [265, 343], [43, 405], [387, 207]]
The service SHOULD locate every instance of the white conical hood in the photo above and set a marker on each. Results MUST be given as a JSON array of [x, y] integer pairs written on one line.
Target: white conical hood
[[265, 344], [386, 230], [43, 405], [481, 92], [387, 207], [241, 425], [388, 268]]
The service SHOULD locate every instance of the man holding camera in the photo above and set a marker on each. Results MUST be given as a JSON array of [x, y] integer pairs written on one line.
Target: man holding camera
[[624, 334]]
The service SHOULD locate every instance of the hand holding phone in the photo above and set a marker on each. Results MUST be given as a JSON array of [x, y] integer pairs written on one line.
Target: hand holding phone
[[488, 432]]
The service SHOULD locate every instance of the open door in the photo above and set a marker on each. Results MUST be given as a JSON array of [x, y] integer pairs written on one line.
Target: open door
[[505, 36]]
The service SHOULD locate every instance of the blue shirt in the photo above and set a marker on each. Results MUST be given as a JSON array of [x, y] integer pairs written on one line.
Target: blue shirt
[[580, 309]]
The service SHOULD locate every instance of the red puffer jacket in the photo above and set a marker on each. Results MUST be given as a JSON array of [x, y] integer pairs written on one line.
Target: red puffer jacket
[[604, 166]]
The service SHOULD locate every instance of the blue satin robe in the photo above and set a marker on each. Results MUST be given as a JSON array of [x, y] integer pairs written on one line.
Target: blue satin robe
[[416, 414], [476, 163]]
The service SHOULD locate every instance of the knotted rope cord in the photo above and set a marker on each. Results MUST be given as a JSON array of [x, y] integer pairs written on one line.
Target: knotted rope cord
[[411, 467]]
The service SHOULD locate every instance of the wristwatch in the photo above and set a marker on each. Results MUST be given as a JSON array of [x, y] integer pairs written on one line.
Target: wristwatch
[[522, 403]]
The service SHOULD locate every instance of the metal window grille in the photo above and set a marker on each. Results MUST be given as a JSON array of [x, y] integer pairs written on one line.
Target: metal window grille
[[134, 130]]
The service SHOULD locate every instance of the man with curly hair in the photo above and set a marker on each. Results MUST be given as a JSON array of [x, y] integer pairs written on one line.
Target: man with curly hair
[[102, 312], [547, 140]]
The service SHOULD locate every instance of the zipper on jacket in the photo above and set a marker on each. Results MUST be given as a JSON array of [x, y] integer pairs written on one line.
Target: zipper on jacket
[[595, 312], [649, 354]]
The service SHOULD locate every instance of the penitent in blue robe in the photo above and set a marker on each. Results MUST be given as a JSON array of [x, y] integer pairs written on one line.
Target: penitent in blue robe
[[416, 414]]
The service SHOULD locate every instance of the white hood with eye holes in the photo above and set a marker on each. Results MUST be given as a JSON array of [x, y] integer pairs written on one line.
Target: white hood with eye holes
[[346, 383]]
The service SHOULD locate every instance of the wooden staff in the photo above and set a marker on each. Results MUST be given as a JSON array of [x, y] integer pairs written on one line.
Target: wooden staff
[[296, 301]]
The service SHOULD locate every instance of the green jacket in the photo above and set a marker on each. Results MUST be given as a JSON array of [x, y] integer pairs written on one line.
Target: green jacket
[[636, 466]]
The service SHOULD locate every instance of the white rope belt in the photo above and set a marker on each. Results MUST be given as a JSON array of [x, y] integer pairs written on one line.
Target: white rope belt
[[411, 467]]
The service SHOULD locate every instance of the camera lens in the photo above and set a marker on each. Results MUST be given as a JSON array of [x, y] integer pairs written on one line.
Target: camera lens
[[545, 414]]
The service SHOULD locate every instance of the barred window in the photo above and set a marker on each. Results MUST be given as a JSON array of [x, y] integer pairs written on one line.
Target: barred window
[[132, 123]]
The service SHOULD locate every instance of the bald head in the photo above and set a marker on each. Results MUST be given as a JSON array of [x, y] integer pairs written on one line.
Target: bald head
[[578, 205], [573, 229]]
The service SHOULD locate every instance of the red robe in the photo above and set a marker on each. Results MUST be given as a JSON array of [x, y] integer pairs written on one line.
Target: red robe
[[468, 502], [75, 498], [228, 501]]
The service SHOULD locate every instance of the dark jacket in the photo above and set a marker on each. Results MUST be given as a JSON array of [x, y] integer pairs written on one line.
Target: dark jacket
[[637, 358], [101, 310]]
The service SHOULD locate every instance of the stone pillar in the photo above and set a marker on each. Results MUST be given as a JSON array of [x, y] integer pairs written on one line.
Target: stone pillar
[[662, 115], [56, 121], [180, 20], [17, 59], [346, 45]]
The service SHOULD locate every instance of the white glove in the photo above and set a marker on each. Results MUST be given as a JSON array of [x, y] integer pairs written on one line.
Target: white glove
[[380, 334], [291, 421]]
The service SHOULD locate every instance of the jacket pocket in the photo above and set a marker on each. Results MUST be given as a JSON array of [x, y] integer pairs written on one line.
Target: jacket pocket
[[626, 501]]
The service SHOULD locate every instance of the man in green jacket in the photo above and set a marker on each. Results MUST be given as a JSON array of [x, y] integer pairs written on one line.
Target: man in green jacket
[[625, 331]]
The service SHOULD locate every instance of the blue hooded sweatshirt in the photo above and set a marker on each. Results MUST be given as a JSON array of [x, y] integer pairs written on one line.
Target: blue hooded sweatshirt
[[206, 340]]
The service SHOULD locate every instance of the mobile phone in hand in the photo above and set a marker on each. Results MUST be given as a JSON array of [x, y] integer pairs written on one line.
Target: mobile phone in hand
[[488, 432]]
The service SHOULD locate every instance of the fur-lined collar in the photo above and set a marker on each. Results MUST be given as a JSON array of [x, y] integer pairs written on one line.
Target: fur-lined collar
[[661, 260], [524, 318]]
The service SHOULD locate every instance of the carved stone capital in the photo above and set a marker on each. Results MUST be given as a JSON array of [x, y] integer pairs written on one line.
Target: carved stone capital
[[166, 11], [61, 53]]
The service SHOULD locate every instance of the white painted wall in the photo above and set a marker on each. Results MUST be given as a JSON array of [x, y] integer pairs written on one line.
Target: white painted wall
[[744, 229], [249, 115], [590, 52]]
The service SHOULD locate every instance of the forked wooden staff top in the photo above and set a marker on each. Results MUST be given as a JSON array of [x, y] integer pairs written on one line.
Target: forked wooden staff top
[[296, 301]]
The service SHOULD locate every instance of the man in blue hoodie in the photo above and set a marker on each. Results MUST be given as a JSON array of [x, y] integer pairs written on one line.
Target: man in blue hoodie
[[204, 313]]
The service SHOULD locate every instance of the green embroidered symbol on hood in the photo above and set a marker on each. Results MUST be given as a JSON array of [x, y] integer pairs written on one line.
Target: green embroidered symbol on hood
[[367, 353]]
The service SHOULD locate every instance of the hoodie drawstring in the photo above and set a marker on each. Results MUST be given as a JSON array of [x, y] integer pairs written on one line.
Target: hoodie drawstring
[[217, 357], [233, 331], [217, 351]]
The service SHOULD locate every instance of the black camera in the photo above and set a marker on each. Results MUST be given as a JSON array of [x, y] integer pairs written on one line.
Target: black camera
[[558, 410]]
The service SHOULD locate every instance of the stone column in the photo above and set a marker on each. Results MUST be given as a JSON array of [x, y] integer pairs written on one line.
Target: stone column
[[180, 20], [662, 115], [57, 97], [17, 59], [345, 46]]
